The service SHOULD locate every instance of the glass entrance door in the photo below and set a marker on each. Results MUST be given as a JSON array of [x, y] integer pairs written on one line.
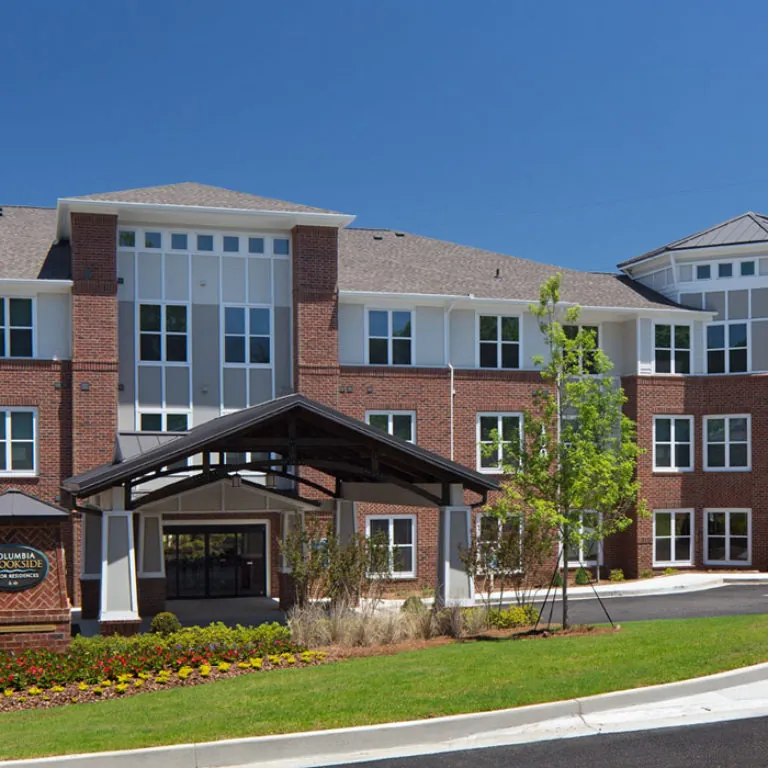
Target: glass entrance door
[[215, 561]]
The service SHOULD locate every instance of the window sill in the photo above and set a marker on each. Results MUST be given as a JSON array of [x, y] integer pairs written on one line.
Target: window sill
[[21, 475], [727, 469], [730, 563], [667, 471], [672, 565]]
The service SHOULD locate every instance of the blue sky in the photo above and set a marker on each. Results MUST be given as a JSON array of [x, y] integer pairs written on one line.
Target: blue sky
[[572, 133]]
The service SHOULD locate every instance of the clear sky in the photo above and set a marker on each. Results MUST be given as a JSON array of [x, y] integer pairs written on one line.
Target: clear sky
[[576, 133]]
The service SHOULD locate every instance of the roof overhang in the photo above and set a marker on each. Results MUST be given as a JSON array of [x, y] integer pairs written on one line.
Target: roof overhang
[[18, 504], [293, 431], [194, 215]]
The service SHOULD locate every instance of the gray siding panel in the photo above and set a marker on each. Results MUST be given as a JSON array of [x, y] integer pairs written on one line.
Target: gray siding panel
[[430, 335], [691, 300], [205, 280], [738, 305], [53, 326], [149, 276], [760, 345], [126, 291], [612, 343], [233, 280], [259, 281], [176, 277], [715, 302], [260, 385], [150, 386], [351, 334], [462, 325], [646, 346], [760, 302], [533, 341], [234, 388], [699, 351], [629, 341], [282, 283], [205, 362], [126, 416], [177, 387], [282, 362]]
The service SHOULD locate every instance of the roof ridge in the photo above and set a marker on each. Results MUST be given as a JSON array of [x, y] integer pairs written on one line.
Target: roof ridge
[[33, 207], [756, 218]]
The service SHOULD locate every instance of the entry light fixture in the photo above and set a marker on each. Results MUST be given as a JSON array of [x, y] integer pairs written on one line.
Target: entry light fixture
[[236, 480]]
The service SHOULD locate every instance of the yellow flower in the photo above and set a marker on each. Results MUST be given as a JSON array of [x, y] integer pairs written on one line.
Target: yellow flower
[[243, 665], [58, 689], [223, 666], [205, 670], [256, 663], [83, 687], [8, 692], [138, 683], [34, 691], [121, 687]]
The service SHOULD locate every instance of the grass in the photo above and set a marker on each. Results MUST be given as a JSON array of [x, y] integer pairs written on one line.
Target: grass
[[445, 680]]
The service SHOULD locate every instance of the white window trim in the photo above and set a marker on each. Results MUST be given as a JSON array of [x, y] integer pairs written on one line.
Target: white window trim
[[414, 546], [367, 337], [672, 324], [497, 470], [499, 343], [478, 529], [598, 345], [248, 334], [674, 562], [581, 562], [744, 563], [673, 469], [390, 421], [727, 348], [218, 242], [705, 444], [163, 333], [35, 471], [164, 412]]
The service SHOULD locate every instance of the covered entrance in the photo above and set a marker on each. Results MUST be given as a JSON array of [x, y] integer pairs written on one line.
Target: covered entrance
[[180, 515], [215, 561]]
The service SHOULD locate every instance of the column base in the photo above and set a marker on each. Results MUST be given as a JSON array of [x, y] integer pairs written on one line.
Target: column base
[[124, 628]]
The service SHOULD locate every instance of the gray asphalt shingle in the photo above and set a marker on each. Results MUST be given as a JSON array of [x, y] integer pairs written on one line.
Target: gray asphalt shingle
[[27, 250]]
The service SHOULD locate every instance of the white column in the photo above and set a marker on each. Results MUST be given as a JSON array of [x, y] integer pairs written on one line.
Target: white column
[[454, 586], [119, 595]]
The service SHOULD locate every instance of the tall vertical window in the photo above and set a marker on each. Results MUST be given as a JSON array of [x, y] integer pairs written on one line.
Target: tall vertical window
[[499, 341], [727, 442], [727, 536], [672, 348], [727, 348], [163, 333], [587, 362], [17, 442], [389, 337], [247, 335], [398, 534], [673, 443], [586, 549], [401, 424], [672, 537], [497, 433], [16, 325]]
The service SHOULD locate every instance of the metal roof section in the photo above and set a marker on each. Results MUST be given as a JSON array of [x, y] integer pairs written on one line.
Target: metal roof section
[[15, 503], [323, 438], [130, 444], [746, 228]]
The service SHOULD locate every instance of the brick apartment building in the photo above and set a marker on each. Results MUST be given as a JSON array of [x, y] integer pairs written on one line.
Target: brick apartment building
[[130, 317]]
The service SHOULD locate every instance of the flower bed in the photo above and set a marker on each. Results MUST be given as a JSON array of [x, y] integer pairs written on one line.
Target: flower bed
[[132, 664]]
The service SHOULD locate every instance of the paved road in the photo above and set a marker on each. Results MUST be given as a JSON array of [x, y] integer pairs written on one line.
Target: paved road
[[742, 743], [723, 601]]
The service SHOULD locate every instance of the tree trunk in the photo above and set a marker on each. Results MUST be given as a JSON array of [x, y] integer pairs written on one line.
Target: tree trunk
[[565, 578]]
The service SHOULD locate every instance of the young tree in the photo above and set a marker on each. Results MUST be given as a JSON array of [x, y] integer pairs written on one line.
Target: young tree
[[578, 453]]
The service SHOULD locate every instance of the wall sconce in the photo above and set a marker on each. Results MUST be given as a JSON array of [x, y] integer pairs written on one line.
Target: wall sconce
[[370, 390], [236, 480], [85, 386]]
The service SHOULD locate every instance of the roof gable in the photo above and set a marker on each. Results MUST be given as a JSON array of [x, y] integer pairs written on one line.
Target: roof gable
[[27, 247], [191, 193]]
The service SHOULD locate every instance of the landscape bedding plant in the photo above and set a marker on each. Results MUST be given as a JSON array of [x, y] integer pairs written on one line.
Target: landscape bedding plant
[[94, 659]]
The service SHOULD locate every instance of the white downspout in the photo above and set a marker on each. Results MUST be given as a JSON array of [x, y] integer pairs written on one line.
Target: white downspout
[[453, 393], [447, 355]]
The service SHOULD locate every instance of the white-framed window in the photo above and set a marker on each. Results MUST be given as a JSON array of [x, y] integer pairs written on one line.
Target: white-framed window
[[728, 536], [401, 424], [247, 335], [747, 268], [725, 269], [728, 347], [18, 441], [163, 335], [390, 337], [502, 430], [587, 359], [728, 443], [672, 443], [672, 348], [587, 550], [672, 537], [165, 421], [498, 341], [398, 534], [17, 327], [703, 271], [490, 530]]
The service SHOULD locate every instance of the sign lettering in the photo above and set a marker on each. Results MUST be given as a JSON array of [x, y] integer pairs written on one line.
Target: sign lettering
[[21, 567]]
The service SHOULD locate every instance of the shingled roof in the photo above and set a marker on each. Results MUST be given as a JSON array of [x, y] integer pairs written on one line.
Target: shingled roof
[[192, 193], [27, 250], [385, 261], [749, 227]]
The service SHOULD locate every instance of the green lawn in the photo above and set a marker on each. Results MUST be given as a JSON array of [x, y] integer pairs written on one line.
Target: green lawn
[[446, 680]]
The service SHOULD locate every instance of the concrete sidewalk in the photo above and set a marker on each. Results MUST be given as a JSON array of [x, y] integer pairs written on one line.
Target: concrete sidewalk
[[726, 696]]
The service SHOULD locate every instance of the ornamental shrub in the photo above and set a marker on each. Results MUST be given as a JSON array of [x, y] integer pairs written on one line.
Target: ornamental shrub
[[413, 604], [616, 574], [165, 623], [516, 616], [647, 573], [582, 577], [557, 581]]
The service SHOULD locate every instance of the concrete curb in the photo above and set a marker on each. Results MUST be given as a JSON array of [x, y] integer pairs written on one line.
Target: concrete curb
[[337, 743]]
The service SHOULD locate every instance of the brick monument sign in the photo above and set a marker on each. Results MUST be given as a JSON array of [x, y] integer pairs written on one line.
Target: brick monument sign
[[34, 609]]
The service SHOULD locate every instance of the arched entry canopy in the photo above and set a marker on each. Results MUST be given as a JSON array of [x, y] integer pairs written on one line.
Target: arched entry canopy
[[319, 457], [363, 463]]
